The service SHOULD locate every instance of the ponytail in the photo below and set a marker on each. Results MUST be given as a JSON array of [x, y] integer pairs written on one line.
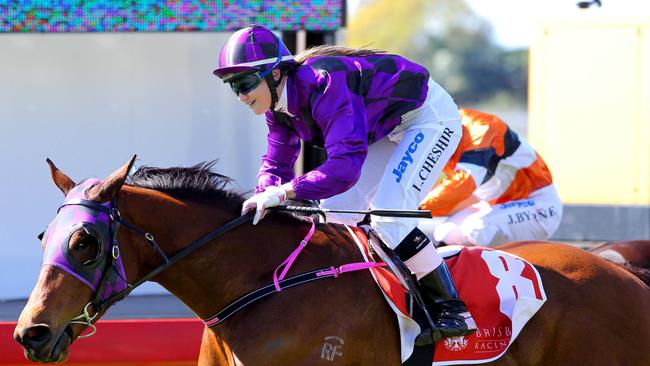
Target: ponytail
[[328, 50]]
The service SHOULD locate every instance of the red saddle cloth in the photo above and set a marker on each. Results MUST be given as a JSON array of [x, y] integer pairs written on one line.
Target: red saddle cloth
[[501, 290]]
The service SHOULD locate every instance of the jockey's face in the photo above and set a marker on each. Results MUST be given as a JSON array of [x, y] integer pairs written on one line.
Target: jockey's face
[[258, 99]]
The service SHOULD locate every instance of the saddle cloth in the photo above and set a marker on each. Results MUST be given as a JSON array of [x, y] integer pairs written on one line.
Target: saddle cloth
[[501, 290]]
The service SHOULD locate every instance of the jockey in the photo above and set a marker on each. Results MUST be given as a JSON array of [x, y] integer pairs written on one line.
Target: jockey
[[387, 128], [497, 189]]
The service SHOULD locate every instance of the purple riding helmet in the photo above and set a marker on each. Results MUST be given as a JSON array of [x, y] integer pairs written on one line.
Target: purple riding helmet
[[249, 56], [76, 213]]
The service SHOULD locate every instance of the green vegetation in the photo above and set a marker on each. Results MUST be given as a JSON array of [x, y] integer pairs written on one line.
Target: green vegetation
[[452, 42]]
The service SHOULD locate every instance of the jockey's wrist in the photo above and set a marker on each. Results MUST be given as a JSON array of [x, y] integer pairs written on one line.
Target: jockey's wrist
[[288, 188]]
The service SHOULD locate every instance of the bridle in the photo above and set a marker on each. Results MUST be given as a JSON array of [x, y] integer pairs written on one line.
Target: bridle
[[115, 221]]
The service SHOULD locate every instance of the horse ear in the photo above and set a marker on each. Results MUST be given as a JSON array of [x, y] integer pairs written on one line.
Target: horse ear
[[108, 189], [61, 180]]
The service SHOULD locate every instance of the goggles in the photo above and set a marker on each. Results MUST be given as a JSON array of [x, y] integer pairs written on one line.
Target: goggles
[[247, 82]]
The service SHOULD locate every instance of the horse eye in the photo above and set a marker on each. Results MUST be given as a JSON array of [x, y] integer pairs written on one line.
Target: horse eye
[[84, 244], [85, 247]]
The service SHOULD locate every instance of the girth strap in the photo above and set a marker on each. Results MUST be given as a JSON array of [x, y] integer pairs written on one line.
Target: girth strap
[[269, 289]]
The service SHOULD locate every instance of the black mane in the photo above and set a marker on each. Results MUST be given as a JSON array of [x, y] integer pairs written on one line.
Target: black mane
[[197, 183]]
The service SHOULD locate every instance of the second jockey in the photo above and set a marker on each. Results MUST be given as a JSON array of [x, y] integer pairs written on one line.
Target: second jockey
[[496, 189]]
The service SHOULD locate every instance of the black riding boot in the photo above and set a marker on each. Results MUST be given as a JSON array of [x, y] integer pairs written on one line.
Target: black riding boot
[[439, 292]]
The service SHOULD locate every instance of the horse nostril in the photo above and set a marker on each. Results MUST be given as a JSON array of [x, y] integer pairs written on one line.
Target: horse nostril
[[35, 336]]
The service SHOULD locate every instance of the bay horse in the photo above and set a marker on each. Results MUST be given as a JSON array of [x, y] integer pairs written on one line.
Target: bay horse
[[596, 312], [631, 252]]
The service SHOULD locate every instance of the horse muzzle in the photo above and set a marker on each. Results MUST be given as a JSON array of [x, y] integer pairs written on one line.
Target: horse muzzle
[[39, 344]]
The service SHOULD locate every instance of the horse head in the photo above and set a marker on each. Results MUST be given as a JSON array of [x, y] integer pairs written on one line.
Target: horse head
[[632, 252], [85, 271], [81, 267]]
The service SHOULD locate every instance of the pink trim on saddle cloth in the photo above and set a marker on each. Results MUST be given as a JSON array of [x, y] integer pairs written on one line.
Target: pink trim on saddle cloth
[[501, 290]]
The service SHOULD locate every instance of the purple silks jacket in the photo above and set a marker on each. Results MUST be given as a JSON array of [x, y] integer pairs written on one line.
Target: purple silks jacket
[[347, 103]]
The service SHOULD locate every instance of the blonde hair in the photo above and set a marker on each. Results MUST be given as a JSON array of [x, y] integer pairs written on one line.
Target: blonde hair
[[328, 50]]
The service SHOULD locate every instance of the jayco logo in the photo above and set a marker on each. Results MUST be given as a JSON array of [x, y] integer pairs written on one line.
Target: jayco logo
[[408, 157], [518, 204]]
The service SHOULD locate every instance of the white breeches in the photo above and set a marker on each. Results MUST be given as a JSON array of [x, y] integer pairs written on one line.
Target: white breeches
[[401, 169], [534, 218]]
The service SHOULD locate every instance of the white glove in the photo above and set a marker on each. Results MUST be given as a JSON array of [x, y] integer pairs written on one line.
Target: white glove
[[272, 196]]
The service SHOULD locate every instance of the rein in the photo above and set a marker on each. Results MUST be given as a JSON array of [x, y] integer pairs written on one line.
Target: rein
[[189, 249], [279, 281]]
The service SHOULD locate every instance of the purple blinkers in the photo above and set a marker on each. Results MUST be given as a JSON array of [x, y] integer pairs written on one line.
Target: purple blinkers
[[74, 216]]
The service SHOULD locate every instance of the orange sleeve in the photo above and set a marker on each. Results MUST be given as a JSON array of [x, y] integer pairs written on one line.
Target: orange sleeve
[[527, 180], [446, 196]]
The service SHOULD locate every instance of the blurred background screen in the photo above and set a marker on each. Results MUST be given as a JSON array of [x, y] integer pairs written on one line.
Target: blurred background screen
[[167, 16]]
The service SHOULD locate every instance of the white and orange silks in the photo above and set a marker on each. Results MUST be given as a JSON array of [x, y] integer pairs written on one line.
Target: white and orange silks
[[496, 188]]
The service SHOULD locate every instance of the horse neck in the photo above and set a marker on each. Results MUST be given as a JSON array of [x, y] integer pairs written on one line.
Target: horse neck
[[219, 272]]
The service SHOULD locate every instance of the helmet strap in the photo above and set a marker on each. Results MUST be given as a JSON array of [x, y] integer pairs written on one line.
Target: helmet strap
[[273, 84]]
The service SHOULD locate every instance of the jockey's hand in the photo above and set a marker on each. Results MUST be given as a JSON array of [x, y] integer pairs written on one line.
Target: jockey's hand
[[272, 196]]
